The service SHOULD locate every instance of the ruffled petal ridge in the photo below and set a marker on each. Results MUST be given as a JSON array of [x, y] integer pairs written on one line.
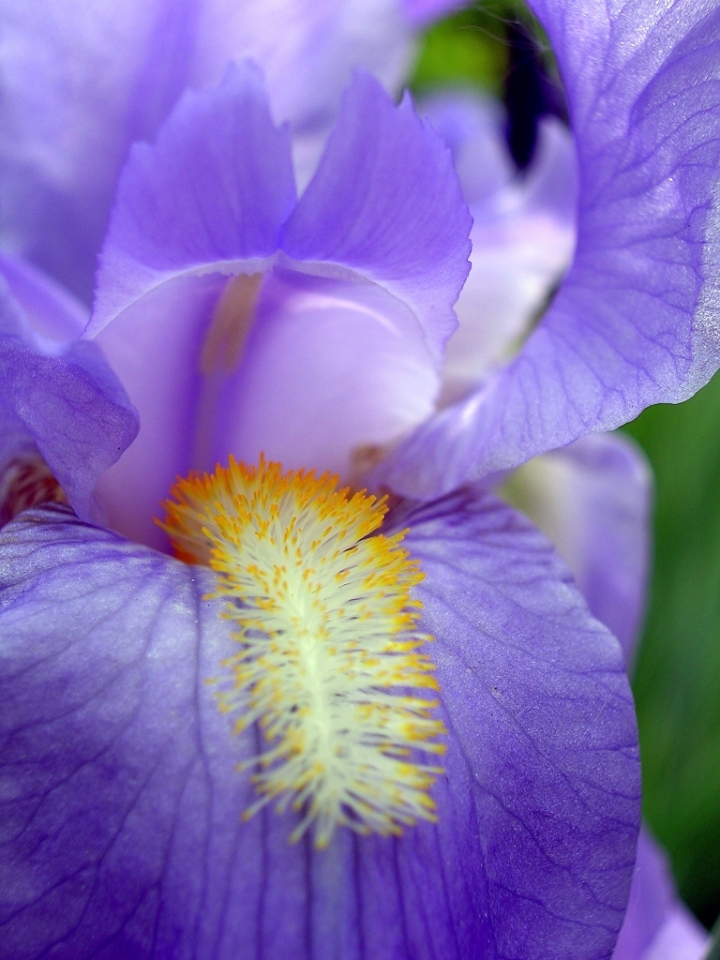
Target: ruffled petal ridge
[[385, 203]]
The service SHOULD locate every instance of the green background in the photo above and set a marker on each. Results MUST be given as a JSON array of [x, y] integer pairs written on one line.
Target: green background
[[677, 679]]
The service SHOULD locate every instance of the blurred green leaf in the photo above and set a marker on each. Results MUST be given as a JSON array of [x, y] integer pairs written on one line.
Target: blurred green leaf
[[458, 52], [467, 49], [677, 682]]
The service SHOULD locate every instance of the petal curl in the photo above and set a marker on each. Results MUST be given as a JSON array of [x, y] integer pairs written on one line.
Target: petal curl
[[593, 499], [331, 373], [33, 309], [121, 832], [636, 321]]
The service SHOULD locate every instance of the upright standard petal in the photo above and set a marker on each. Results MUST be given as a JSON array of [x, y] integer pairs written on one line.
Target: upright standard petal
[[111, 73], [69, 66], [636, 320], [60, 395], [319, 44], [206, 201], [593, 500], [209, 196], [385, 203], [221, 321], [121, 833]]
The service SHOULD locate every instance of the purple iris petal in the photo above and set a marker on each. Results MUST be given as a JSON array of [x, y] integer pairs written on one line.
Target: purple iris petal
[[592, 499], [211, 194], [37, 316], [121, 831], [511, 643], [298, 355], [636, 320], [331, 371], [155, 350], [111, 72], [473, 126], [657, 926], [523, 234], [385, 204], [62, 397], [50, 310]]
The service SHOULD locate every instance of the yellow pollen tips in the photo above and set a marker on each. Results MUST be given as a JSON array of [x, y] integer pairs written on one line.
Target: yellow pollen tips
[[330, 663]]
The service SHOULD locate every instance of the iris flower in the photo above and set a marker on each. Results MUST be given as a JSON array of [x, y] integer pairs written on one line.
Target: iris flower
[[219, 304]]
